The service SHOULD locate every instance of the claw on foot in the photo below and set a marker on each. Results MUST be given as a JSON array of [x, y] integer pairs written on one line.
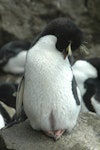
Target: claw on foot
[[54, 134], [58, 134]]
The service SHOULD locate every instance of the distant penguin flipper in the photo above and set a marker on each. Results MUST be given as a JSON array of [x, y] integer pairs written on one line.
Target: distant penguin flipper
[[19, 99]]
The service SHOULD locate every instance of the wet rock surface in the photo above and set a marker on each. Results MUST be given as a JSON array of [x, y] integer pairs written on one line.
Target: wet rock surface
[[85, 136]]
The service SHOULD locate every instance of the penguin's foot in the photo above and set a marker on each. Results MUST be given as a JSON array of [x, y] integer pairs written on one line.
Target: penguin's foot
[[58, 134], [49, 133], [55, 134]]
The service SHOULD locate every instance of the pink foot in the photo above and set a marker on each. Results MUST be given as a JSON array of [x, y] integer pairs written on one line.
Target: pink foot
[[54, 134], [58, 134]]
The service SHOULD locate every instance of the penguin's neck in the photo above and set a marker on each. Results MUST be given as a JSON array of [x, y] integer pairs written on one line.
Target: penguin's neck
[[45, 48]]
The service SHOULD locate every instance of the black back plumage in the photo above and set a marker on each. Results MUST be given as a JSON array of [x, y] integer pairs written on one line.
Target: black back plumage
[[7, 91], [90, 91], [74, 90]]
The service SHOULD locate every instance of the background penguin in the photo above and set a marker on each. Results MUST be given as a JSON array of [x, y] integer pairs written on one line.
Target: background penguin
[[7, 103], [4, 117], [87, 74], [13, 56], [48, 90]]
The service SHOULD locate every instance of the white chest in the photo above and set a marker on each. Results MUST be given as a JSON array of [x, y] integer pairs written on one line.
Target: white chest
[[48, 90]]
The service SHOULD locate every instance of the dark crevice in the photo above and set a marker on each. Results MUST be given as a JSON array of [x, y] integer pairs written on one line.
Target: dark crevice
[[6, 37], [86, 3], [3, 145]]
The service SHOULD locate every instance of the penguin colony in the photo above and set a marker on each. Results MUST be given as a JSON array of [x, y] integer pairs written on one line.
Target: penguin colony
[[52, 91]]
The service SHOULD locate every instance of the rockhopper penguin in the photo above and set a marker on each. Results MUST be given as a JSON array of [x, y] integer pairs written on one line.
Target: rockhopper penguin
[[48, 90]]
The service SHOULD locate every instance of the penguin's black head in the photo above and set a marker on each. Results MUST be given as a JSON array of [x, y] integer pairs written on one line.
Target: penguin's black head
[[66, 32]]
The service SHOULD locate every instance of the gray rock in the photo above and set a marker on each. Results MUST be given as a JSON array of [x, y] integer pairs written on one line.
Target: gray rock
[[85, 136], [93, 9], [24, 19]]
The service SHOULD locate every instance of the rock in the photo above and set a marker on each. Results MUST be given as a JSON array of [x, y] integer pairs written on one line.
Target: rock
[[26, 18], [85, 136], [93, 8]]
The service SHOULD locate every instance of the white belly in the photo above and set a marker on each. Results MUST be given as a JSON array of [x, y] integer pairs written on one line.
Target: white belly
[[48, 99], [46, 93]]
